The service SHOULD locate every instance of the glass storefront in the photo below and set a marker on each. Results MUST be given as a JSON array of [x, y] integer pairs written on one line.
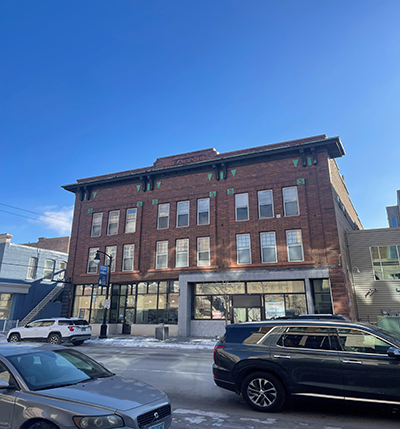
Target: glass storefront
[[140, 303], [248, 301]]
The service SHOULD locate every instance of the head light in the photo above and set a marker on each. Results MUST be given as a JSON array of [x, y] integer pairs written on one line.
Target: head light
[[99, 422]]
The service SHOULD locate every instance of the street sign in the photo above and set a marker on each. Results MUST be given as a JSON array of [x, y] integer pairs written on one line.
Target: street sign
[[107, 303], [103, 271]]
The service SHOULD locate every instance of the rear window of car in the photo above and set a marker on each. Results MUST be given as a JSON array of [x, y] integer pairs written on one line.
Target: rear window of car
[[80, 322], [247, 334], [65, 322]]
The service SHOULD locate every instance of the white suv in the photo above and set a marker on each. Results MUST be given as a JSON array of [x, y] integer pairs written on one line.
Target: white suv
[[53, 330]]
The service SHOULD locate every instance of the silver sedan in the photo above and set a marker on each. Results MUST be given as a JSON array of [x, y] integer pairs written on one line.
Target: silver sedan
[[53, 387]]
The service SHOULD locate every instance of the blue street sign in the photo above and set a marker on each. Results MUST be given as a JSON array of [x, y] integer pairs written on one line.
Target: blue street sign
[[103, 271]]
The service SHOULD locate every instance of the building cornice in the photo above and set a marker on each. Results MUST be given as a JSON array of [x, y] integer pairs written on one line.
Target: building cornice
[[219, 163]]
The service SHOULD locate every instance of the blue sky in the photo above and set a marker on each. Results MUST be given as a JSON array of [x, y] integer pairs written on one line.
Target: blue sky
[[91, 87]]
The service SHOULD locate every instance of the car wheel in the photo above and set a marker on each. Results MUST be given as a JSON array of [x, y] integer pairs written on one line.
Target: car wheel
[[14, 338], [43, 425], [54, 339], [263, 392]]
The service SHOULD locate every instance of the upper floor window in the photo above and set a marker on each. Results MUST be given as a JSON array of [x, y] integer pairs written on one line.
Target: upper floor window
[[294, 246], [393, 222], [203, 251], [127, 263], [130, 223], [162, 254], [386, 262], [203, 211], [48, 270], [63, 268], [243, 249], [113, 222], [291, 201], [112, 251], [32, 268], [163, 216], [182, 218], [265, 204], [96, 224], [268, 247], [242, 206], [182, 252], [92, 266]]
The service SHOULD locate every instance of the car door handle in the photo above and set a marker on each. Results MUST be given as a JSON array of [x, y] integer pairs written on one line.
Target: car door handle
[[356, 362], [282, 356]]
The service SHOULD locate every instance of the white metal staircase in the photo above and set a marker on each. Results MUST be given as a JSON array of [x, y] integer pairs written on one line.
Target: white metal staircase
[[48, 298]]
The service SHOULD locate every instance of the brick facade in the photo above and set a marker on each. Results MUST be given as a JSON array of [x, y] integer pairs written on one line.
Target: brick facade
[[193, 176]]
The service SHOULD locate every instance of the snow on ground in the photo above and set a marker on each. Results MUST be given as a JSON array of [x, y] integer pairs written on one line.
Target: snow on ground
[[171, 343], [152, 342]]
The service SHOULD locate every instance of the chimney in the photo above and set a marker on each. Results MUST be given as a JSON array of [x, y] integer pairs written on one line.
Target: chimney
[[5, 238]]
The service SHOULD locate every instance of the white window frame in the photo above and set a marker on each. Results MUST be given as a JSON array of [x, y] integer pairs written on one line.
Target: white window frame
[[112, 222], [240, 205], [97, 221], [32, 268], [199, 251], [49, 270], [260, 195], [130, 221], [265, 243], [62, 270], [290, 244], [203, 211], [162, 216], [182, 209], [240, 247], [112, 251], [161, 254], [287, 199], [182, 248], [128, 256], [92, 254]]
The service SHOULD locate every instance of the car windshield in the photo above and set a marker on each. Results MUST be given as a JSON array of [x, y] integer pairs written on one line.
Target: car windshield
[[45, 369]]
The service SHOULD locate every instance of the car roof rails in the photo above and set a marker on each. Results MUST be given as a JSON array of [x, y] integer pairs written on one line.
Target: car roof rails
[[321, 316]]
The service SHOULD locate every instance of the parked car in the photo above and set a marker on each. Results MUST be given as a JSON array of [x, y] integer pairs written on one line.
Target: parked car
[[54, 387], [324, 357], [53, 330]]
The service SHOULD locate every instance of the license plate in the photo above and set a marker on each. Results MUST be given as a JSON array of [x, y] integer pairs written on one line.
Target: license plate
[[159, 426], [83, 329]]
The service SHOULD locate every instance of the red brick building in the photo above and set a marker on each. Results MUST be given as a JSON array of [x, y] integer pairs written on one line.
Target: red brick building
[[237, 236]]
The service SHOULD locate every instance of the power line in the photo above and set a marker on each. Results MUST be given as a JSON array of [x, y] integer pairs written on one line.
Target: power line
[[29, 211], [37, 220]]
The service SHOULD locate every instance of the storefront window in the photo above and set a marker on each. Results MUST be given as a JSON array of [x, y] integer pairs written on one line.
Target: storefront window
[[146, 309], [321, 291], [247, 301]]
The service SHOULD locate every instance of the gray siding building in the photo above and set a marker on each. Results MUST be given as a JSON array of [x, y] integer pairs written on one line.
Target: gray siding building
[[375, 271], [27, 276]]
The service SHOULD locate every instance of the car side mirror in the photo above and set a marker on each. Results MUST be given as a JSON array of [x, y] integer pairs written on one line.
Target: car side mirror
[[393, 352], [4, 385]]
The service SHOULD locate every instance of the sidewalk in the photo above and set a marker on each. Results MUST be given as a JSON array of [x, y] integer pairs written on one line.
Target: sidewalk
[[145, 341]]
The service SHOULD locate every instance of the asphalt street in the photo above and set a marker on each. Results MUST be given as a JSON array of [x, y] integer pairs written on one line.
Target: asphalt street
[[186, 377]]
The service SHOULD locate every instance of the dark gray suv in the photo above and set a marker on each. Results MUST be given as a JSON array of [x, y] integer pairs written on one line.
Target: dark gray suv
[[325, 357]]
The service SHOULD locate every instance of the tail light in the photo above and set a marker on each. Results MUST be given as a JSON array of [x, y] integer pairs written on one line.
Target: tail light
[[71, 328], [215, 350]]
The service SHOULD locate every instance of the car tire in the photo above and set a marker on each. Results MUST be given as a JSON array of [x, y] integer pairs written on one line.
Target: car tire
[[43, 425], [54, 339], [263, 392], [14, 338]]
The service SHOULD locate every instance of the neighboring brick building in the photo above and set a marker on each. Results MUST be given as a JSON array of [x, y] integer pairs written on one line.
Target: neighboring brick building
[[236, 236], [60, 244]]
